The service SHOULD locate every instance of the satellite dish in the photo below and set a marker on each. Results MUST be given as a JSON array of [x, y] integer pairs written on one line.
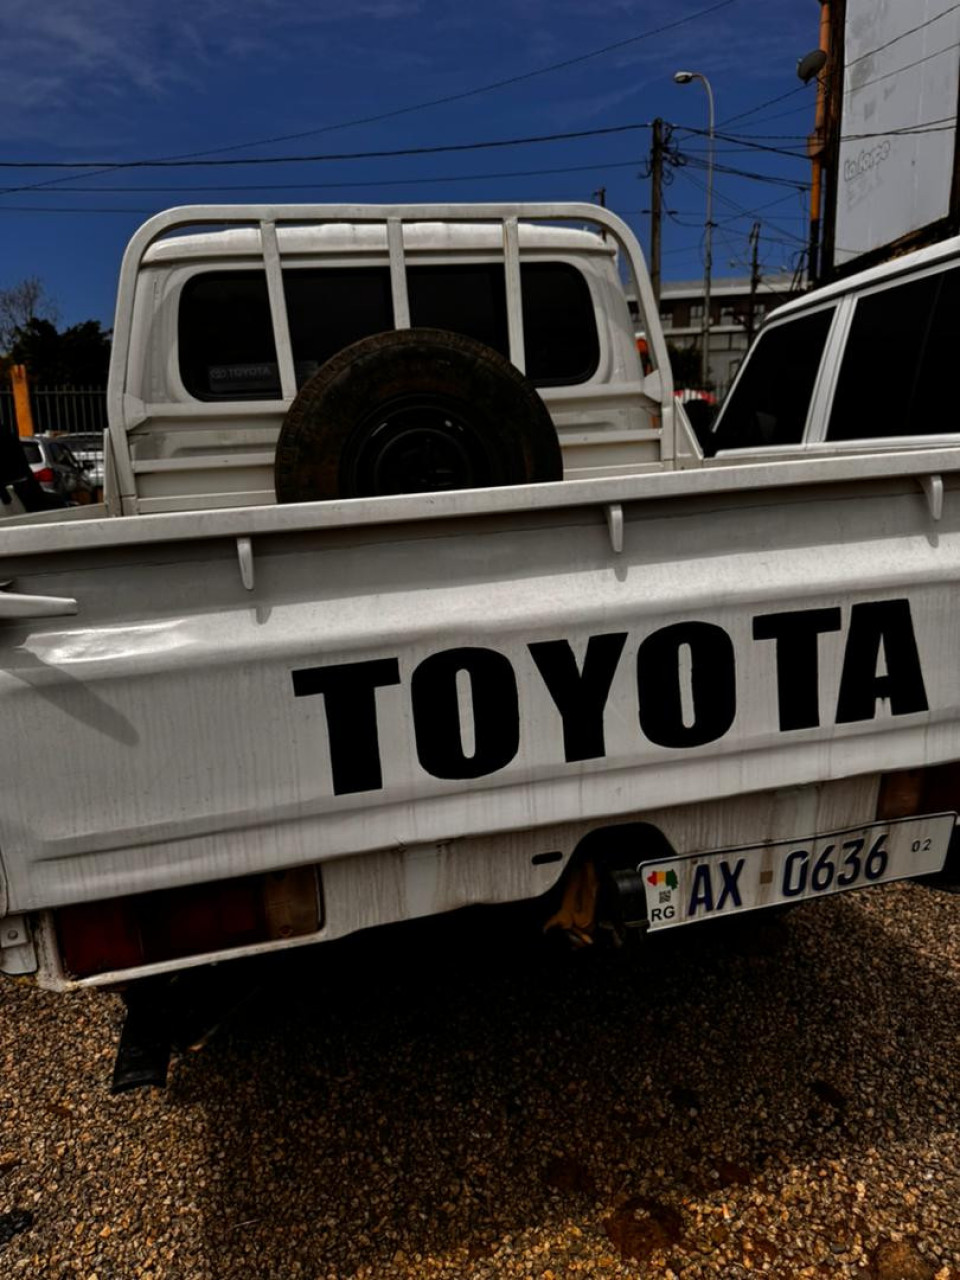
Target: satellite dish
[[811, 65]]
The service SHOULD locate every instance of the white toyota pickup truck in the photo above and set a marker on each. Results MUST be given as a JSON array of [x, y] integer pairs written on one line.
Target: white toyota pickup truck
[[412, 588]]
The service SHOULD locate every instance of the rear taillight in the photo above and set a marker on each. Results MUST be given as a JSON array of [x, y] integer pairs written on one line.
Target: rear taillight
[[173, 924], [43, 474], [907, 792]]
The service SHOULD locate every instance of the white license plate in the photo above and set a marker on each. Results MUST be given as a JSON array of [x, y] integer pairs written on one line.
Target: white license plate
[[702, 886]]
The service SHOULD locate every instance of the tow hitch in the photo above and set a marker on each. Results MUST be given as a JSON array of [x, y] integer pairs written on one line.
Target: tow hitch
[[604, 898]]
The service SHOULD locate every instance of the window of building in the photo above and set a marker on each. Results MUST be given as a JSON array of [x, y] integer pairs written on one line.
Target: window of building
[[769, 404], [917, 324]]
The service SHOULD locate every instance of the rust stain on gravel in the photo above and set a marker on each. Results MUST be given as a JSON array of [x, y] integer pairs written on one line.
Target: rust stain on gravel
[[639, 1238], [563, 1173], [900, 1261], [828, 1093], [684, 1099], [733, 1175]]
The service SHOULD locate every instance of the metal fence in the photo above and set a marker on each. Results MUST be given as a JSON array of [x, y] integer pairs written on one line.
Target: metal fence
[[60, 409]]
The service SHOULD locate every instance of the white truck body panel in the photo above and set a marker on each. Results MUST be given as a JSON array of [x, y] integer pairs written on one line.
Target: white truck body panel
[[182, 754]]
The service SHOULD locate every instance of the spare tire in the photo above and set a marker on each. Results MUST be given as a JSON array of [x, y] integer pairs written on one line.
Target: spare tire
[[414, 411]]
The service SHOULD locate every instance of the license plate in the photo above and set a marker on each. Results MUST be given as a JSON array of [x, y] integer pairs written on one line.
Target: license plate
[[702, 886]]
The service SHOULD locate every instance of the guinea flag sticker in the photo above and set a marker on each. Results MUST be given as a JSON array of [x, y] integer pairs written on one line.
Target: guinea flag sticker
[[667, 879], [660, 888]]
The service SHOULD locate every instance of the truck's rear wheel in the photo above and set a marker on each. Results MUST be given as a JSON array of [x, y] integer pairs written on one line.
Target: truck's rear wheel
[[414, 411]]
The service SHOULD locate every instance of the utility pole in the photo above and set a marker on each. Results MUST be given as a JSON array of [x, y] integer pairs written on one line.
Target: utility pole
[[815, 149], [600, 195], [656, 198], [685, 77], [754, 281]]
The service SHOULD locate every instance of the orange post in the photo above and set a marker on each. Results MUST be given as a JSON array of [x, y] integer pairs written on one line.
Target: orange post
[[815, 149], [21, 400]]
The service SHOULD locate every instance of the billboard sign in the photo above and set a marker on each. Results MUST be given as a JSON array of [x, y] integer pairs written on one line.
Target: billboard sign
[[898, 122]]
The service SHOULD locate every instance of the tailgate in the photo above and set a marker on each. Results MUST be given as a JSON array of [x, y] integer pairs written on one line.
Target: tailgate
[[379, 685]]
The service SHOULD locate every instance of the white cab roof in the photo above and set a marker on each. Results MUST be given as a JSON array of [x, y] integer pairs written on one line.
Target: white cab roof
[[346, 237], [928, 257]]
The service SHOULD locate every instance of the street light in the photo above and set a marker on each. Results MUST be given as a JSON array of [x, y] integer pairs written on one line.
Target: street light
[[684, 77]]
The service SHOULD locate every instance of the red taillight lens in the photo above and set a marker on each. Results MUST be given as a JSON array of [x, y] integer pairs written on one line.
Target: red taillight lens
[[172, 924], [907, 792], [43, 474]]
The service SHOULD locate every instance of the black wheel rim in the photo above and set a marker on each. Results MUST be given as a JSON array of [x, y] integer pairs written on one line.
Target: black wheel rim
[[417, 445]]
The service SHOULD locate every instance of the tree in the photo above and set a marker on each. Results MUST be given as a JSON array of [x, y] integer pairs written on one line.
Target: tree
[[20, 304], [77, 357]]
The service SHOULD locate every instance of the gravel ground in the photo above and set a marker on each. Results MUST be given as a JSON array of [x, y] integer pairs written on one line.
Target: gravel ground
[[462, 1101]]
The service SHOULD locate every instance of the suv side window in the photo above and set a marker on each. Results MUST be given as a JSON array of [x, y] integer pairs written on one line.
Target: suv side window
[[770, 401], [897, 362]]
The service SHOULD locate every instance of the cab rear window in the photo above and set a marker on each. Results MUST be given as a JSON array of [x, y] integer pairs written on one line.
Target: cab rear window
[[226, 343], [225, 337]]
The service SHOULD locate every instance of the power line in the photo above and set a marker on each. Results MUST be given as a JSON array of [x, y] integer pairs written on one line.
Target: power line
[[794, 184], [762, 208], [324, 156], [760, 106], [903, 35], [941, 125], [701, 151], [791, 195], [107, 166], [748, 143], [474, 92], [944, 125], [687, 248], [855, 88], [445, 149], [735, 205], [29, 208], [676, 214], [779, 115], [600, 166]]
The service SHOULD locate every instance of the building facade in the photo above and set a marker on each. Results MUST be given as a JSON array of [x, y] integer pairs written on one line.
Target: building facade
[[681, 314]]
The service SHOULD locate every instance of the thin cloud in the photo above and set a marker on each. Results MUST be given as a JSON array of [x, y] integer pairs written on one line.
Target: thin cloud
[[61, 56]]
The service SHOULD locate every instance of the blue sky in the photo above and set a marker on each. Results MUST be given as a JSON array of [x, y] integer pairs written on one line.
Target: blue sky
[[124, 80]]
